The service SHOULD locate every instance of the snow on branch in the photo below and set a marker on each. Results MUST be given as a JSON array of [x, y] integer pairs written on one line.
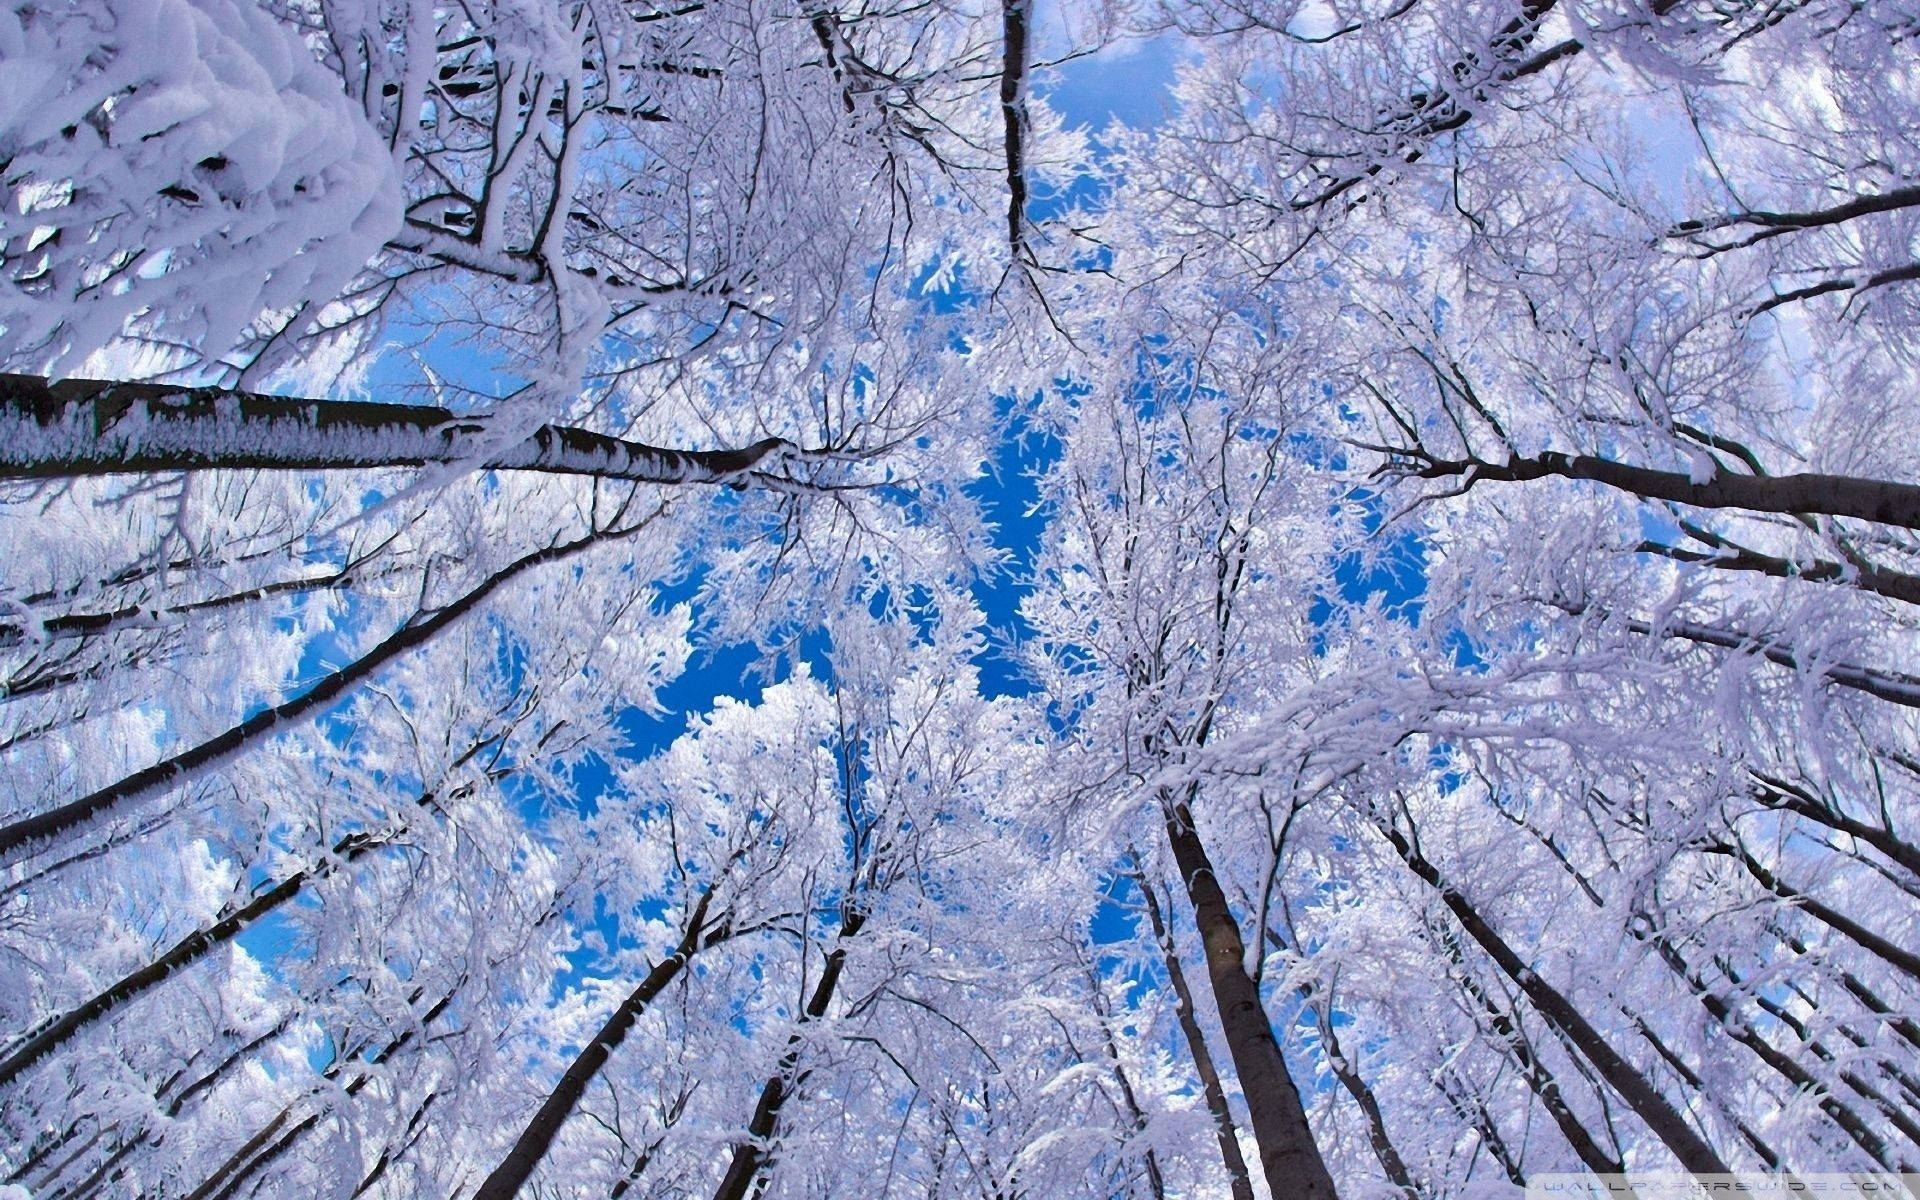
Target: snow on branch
[[176, 162], [1881, 500], [91, 427]]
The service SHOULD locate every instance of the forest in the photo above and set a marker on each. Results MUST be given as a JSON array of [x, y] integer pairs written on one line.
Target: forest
[[957, 599]]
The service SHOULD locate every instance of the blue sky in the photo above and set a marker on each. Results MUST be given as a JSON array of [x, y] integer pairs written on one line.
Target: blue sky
[[1126, 83]]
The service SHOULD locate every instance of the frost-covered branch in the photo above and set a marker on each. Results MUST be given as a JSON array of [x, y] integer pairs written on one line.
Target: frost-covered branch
[[1895, 585], [1895, 687], [88, 427], [1471, 86], [1882, 500], [1787, 221], [155, 781]]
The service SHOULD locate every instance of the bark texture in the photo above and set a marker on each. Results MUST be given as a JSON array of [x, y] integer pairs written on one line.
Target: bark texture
[[94, 427], [1288, 1156], [1881, 500]]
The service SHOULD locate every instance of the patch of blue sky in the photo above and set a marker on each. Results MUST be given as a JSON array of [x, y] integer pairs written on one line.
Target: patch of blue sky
[[1116, 918], [1009, 496], [1128, 82], [434, 361], [271, 941]]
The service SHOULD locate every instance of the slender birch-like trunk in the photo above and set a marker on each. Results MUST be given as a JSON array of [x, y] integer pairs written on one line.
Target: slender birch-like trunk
[[531, 1146], [753, 1156]]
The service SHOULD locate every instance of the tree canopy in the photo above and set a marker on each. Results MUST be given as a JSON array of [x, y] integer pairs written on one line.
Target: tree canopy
[[752, 598]]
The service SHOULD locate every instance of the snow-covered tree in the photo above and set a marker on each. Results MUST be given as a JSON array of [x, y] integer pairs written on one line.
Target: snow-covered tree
[[508, 686]]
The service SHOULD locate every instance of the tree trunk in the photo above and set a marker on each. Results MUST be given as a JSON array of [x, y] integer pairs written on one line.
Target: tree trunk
[[389, 1155], [1473, 1110], [1795, 1074], [1868, 999], [1692, 1078], [1861, 1087], [1781, 794], [1539, 1079], [754, 1155], [1238, 1183], [1156, 1181], [1350, 1079], [94, 427], [1356, 1087], [1894, 956], [157, 780], [532, 1144], [1895, 687], [1427, 114], [1014, 122], [273, 1138], [184, 953], [1651, 1107], [1288, 1156], [1895, 585], [1880, 500], [106, 1173], [14, 632]]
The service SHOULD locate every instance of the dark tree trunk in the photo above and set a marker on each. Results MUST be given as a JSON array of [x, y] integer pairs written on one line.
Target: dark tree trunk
[[1238, 1183], [95, 427], [1427, 114], [1473, 1110], [1900, 1023], [184, 953], [1646, 1102], [38, 1150], [531, 1146], [1356, 1087], [106, 1172], [755, 1155], [1895, 585], [1880, 500], [1692, 1078], [156, 780], [1013, 120], [1894, 687], [1288, 1156], [1894, 956], [1349, 1077], [390, 1154], [1781, 794], [668, 1120], [1539, 1079], [1795, 1074], [94, 624], [1890, 1109], [1156, 1181], [273, 1139]]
